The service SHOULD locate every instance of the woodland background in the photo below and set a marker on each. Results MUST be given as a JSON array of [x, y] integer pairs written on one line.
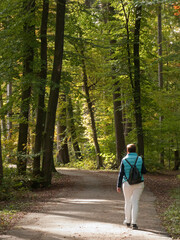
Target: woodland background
[[81, 79]]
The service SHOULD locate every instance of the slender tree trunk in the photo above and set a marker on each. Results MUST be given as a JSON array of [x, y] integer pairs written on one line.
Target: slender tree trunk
[[73, 130], [119, 129], [118, 118], [63, 152], [1, 162], [40, 120], [9, 114], [91, 112], [89, 103], [126, 15], [135, 81], [54, 93], [137, 89], [160, 63], [3, 121], [160, 69], [128, 125], [29, 33]]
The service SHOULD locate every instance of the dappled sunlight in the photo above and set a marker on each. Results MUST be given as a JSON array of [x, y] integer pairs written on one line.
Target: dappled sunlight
[[87, 201], [88, 213]]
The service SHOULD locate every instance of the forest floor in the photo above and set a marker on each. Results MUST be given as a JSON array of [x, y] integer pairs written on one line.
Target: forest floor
[[86, 206]]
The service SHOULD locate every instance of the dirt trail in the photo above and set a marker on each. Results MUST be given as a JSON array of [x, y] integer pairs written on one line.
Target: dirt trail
[[89, 210]]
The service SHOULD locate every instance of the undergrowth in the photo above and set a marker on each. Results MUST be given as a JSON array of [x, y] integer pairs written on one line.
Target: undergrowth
[[172, 216], [17, 196]]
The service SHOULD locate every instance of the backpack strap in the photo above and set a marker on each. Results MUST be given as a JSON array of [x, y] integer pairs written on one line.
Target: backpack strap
[[130, 163], [136, 161]]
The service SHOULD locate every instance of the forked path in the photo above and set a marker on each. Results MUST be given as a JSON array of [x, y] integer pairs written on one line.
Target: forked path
[[90, 209]]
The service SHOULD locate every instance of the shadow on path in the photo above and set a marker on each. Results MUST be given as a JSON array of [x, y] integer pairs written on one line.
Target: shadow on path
[[90, 209]]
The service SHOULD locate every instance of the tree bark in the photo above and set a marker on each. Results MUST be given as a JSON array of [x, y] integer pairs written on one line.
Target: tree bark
[[3, 121], [40, 120], [63, 152], [119, 129], [118, 118], [54, 93], [9, 114], [126, 15], [160, 63], [1, 162], [29, 33], [91, 112], [177, 160], [73, 130], [137, 89]]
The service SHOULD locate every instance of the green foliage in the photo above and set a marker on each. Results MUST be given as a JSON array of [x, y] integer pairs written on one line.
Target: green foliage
[[92, 29], [109, 161], [172, 215], [87, 164], [15, 186]]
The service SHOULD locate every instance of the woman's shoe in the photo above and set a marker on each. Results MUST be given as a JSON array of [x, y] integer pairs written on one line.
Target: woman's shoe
[[134, 226], [127, 224]]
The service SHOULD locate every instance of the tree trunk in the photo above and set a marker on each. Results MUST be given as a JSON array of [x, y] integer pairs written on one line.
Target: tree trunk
[[1, 162], [63, 152], [160, 63], [29, 33], [177, 160], [54, 93], [160, 69], [118, 118], [9, 114], [137, 89], [73, 130], [127, 124], [91, 112], [40, 120], [126, 15], [119, 129], [3, 121]]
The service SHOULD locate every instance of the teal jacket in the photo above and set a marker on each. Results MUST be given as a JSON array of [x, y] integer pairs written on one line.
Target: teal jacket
[[125, 168]]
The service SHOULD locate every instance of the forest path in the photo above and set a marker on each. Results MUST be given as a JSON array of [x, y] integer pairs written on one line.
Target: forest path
[[89, 209]]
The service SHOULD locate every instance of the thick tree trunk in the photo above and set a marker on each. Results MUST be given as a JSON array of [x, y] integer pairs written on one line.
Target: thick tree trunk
[[9, 114], [176, 160], [29, 33], [73, 130], [1, 162], [119, 129], [137, 89], [40, 120], [54, 93], [91, 112], [63, 152]]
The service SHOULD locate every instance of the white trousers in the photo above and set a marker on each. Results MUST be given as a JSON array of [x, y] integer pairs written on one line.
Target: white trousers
[[132, 194]]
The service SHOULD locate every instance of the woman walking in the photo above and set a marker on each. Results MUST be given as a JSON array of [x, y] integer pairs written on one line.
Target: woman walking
[[132, 193]]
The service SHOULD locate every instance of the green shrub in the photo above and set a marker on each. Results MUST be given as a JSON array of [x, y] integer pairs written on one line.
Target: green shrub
[[172, 215]]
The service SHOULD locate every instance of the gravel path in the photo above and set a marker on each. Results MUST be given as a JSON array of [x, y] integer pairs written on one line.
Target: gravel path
[[89, 209]]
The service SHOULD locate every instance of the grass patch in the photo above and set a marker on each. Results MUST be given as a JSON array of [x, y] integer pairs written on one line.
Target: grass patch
[[172, 215]]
